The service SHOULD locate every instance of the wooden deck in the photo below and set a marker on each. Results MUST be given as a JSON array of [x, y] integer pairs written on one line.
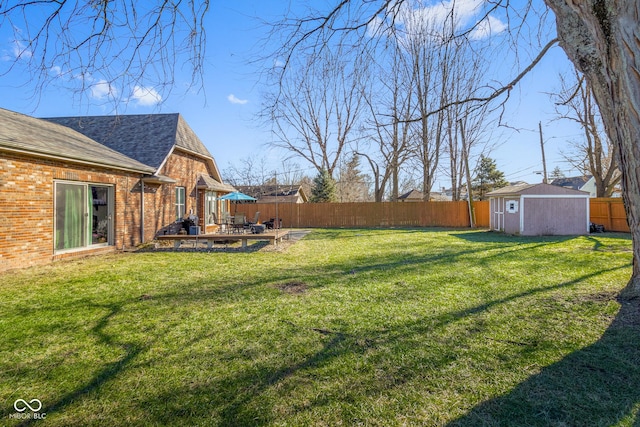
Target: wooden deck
[[273, 236]]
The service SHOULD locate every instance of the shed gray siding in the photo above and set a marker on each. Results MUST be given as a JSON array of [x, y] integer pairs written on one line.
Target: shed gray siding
[[540, 209], [558, 217]]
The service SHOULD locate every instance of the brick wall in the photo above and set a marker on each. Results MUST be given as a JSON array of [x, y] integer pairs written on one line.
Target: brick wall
[[27, 202], [160, 200]]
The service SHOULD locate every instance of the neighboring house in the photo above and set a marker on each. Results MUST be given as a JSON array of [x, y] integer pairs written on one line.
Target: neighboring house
[[113, 184], [418, 196], [186, 180], [411, 196], [273, 193], [581, 183], [539, 209]]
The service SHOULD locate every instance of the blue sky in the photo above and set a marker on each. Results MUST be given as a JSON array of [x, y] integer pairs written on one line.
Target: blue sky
[[224, 116]]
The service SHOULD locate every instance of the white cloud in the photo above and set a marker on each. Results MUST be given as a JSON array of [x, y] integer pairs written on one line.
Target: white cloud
[[102, 89], [235, 100], [488, 27], [20, 51], [146, 96], [429, 20]]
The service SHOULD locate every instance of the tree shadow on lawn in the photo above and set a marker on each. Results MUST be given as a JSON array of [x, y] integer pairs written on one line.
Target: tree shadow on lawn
[[611, 365], [598, 385], [105, 374], [244, 398]]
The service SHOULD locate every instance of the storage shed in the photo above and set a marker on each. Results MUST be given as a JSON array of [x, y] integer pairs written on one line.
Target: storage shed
[[539, 209]]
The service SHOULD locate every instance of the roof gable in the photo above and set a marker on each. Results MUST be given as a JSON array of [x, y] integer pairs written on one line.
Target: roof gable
[[576, 182], [258, 191], [148, 138], [34, 136], [412, 195]]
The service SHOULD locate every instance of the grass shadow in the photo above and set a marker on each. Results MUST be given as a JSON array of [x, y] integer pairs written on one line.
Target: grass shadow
[[595, 386], [105, 374]]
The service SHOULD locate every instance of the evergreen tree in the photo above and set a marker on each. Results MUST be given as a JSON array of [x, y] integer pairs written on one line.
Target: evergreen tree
[[556, 174], [352, 184], [488, 178], [324, 188]]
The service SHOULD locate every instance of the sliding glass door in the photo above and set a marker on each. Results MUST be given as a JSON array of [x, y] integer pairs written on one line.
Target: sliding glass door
[[83, 215]]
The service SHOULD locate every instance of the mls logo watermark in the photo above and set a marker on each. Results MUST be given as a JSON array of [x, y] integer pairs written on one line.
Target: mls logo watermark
[[34, 406]]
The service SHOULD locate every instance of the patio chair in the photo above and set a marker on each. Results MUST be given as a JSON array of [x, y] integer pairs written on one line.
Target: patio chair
[[255, 220], [238, 223], [226, 222]]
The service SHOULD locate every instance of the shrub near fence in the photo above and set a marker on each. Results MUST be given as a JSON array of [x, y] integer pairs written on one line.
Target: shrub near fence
[[368, 214]]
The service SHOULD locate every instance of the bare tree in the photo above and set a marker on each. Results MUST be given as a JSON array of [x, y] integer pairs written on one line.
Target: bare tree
[[250, 170], [315, 111], [106, 49], [387, 130], [467, 68], [601, 38], [593, 155]]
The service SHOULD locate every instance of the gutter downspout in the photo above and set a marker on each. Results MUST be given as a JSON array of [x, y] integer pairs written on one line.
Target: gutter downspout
[[141, 210]]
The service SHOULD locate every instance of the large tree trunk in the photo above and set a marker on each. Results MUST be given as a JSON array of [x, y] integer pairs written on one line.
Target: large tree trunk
[[602, 39]]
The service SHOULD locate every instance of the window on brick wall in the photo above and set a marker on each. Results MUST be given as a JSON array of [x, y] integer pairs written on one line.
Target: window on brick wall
[[180, 202], [83, 215]]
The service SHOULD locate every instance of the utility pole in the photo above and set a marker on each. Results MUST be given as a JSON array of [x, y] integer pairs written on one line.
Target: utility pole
[[544, 162]]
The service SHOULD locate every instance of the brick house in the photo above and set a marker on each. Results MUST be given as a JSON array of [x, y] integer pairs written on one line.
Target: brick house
[[186, 180], [63, 194]]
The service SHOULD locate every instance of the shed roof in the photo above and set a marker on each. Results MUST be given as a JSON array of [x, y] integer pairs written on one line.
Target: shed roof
[[25, 134], [535, 189]]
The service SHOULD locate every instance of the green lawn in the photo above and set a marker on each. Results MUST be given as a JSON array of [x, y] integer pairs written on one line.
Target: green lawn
[[345, 327]]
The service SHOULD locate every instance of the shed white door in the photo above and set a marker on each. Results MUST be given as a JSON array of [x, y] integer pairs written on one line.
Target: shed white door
[[497, 213]]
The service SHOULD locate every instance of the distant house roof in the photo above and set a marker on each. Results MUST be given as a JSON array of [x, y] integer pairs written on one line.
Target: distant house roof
[[148, 138], [413, 195], [273, 193], [576, 182], [25, 134], [512, 190]]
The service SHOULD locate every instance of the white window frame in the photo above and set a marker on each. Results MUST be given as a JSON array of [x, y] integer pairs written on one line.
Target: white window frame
[[181, 207]]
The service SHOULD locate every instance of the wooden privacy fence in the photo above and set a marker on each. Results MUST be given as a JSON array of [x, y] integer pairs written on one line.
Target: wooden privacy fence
[[608, 212], [368, 214]]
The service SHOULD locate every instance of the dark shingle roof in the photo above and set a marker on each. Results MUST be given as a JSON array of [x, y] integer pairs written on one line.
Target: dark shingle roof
[[412, 195], [147, 138], [26, 134], [576, 182]]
